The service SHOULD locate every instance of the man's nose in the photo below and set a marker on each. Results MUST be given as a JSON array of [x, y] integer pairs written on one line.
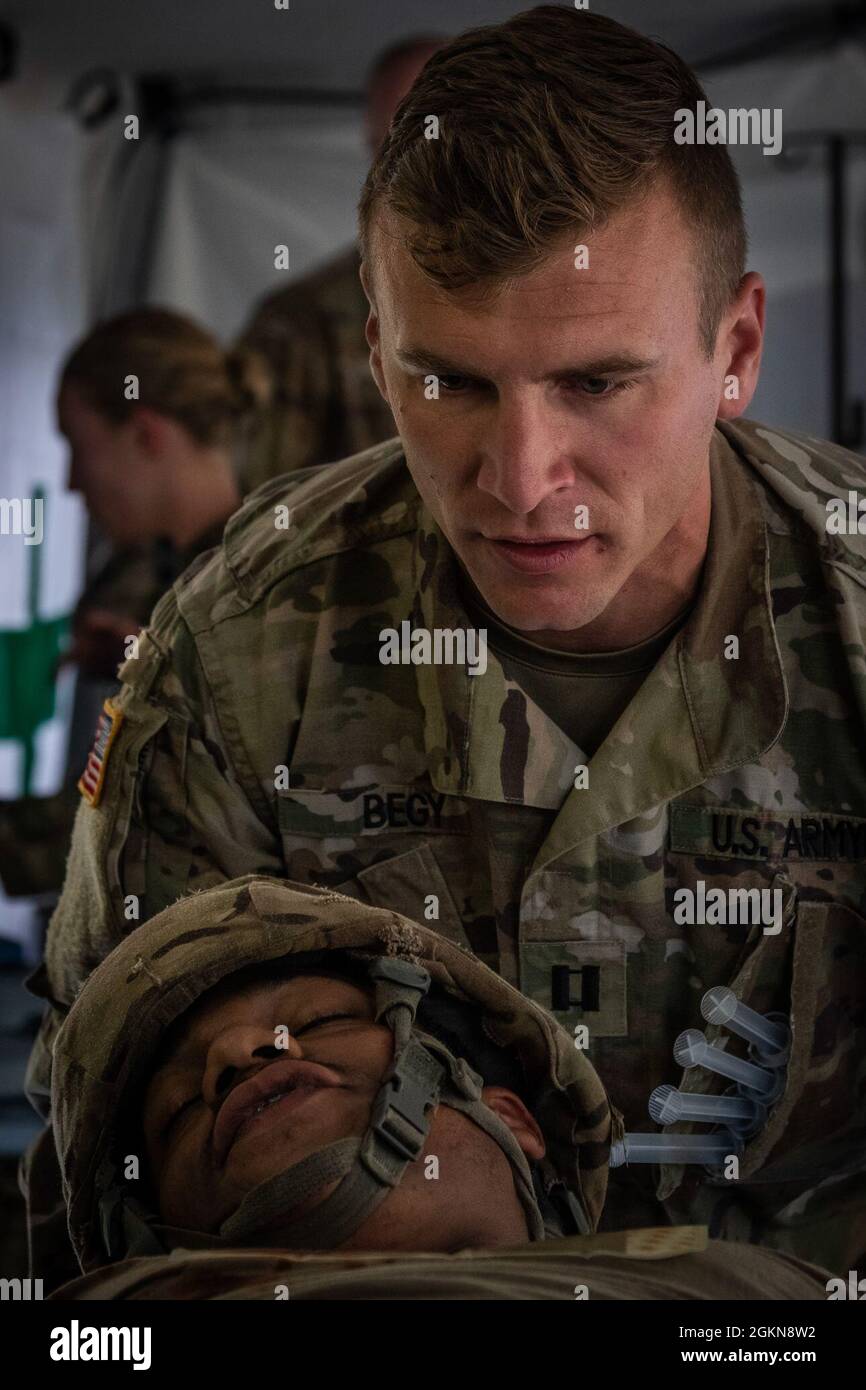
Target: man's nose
[[241, 1049], [522, 458]]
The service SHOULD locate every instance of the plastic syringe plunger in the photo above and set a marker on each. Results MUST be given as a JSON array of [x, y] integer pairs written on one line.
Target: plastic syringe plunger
[[720, 1005], [691, 1049], [709, 1149], [667, 1106]]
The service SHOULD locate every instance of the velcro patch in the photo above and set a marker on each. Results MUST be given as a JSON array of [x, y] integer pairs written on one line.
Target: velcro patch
[[580, 982], [353, 811], [92, 778], [727, 833]]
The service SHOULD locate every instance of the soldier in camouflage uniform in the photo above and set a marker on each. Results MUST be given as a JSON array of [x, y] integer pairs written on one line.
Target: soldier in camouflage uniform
[[198, 403], [550, 810], [439, 1111], [326, 404], [157, 468]]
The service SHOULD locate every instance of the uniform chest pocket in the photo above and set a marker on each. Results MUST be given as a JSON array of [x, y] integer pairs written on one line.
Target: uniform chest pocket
[[397, 847], [817, 977]]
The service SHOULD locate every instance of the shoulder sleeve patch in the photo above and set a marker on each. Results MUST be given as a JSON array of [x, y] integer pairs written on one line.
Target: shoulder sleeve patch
[[91, 780]]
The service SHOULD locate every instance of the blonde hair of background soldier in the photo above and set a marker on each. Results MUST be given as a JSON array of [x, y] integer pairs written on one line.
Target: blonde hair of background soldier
[[182, 372]]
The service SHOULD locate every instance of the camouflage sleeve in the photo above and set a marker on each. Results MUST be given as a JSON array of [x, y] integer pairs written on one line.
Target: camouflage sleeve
[[127, 584], [170, 815], [609, 1270], [296, 427]]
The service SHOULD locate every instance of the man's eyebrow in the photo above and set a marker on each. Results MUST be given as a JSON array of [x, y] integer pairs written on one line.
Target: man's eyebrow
[[614, 364]]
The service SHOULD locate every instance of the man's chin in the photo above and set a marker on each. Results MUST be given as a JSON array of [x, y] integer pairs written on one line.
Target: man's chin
[[543, 622], [544, 603], [277, 1228], [245, 1180]]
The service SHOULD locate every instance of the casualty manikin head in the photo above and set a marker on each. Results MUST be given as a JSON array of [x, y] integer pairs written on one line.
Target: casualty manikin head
[[270, 1064]]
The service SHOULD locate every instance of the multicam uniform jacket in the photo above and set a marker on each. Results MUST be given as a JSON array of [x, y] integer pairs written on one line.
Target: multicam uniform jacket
[[259, 731], [649, 1264], [326, 404]]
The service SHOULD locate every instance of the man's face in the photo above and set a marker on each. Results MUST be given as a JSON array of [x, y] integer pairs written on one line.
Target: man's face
[[570, 388], [226, 1109]]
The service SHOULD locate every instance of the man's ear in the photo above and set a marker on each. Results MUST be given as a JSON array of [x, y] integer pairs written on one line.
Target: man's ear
[[511, 1110], [743, 343]]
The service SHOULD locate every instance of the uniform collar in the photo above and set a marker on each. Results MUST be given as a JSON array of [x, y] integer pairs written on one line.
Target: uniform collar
[[697, 713]]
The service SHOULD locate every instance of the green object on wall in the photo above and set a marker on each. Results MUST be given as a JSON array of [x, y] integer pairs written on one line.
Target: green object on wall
[[28, 669]]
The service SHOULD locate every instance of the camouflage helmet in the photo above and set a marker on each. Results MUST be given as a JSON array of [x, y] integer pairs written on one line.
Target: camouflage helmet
[[104, 1054]]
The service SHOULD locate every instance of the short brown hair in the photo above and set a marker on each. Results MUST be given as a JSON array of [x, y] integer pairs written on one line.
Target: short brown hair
[[182, 370], [550, 123]]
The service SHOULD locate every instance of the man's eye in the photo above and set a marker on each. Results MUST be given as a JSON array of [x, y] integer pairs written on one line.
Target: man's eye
[[596, 385], [454, 384], [317, 1022], [602, 386], [176, 1114]]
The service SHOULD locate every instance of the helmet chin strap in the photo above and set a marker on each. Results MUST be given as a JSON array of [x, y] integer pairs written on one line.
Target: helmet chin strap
[[423, 1073], [370, 1168]]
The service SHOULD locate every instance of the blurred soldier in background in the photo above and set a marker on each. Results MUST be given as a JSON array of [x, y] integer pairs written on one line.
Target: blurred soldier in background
[[326, 404], [154, 411], [161, 474], [319, 403], [157, 471]]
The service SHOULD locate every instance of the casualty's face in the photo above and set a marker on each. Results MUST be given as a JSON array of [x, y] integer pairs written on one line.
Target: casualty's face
[[263, 1072], [255, 1078], [572, 388], [100, 464]]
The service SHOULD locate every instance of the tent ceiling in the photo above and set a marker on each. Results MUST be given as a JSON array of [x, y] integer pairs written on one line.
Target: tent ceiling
[[328, 43]]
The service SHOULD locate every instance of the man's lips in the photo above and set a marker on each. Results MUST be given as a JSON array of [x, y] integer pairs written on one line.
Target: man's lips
[[535, 540], [274, 1079], [536, 554]]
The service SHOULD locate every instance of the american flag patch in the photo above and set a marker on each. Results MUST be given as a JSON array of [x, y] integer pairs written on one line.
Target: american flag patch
[[91, 780]]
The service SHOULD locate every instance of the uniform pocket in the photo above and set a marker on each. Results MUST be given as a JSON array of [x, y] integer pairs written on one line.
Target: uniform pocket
[[818, 1128], [126, 856], [414, 884], [817, 978], [808, 920], [392, 847]]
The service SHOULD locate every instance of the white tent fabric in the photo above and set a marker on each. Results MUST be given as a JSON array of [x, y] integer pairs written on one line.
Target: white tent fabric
[[241, 184], [41, 311], [823, 91], [788, 216]]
